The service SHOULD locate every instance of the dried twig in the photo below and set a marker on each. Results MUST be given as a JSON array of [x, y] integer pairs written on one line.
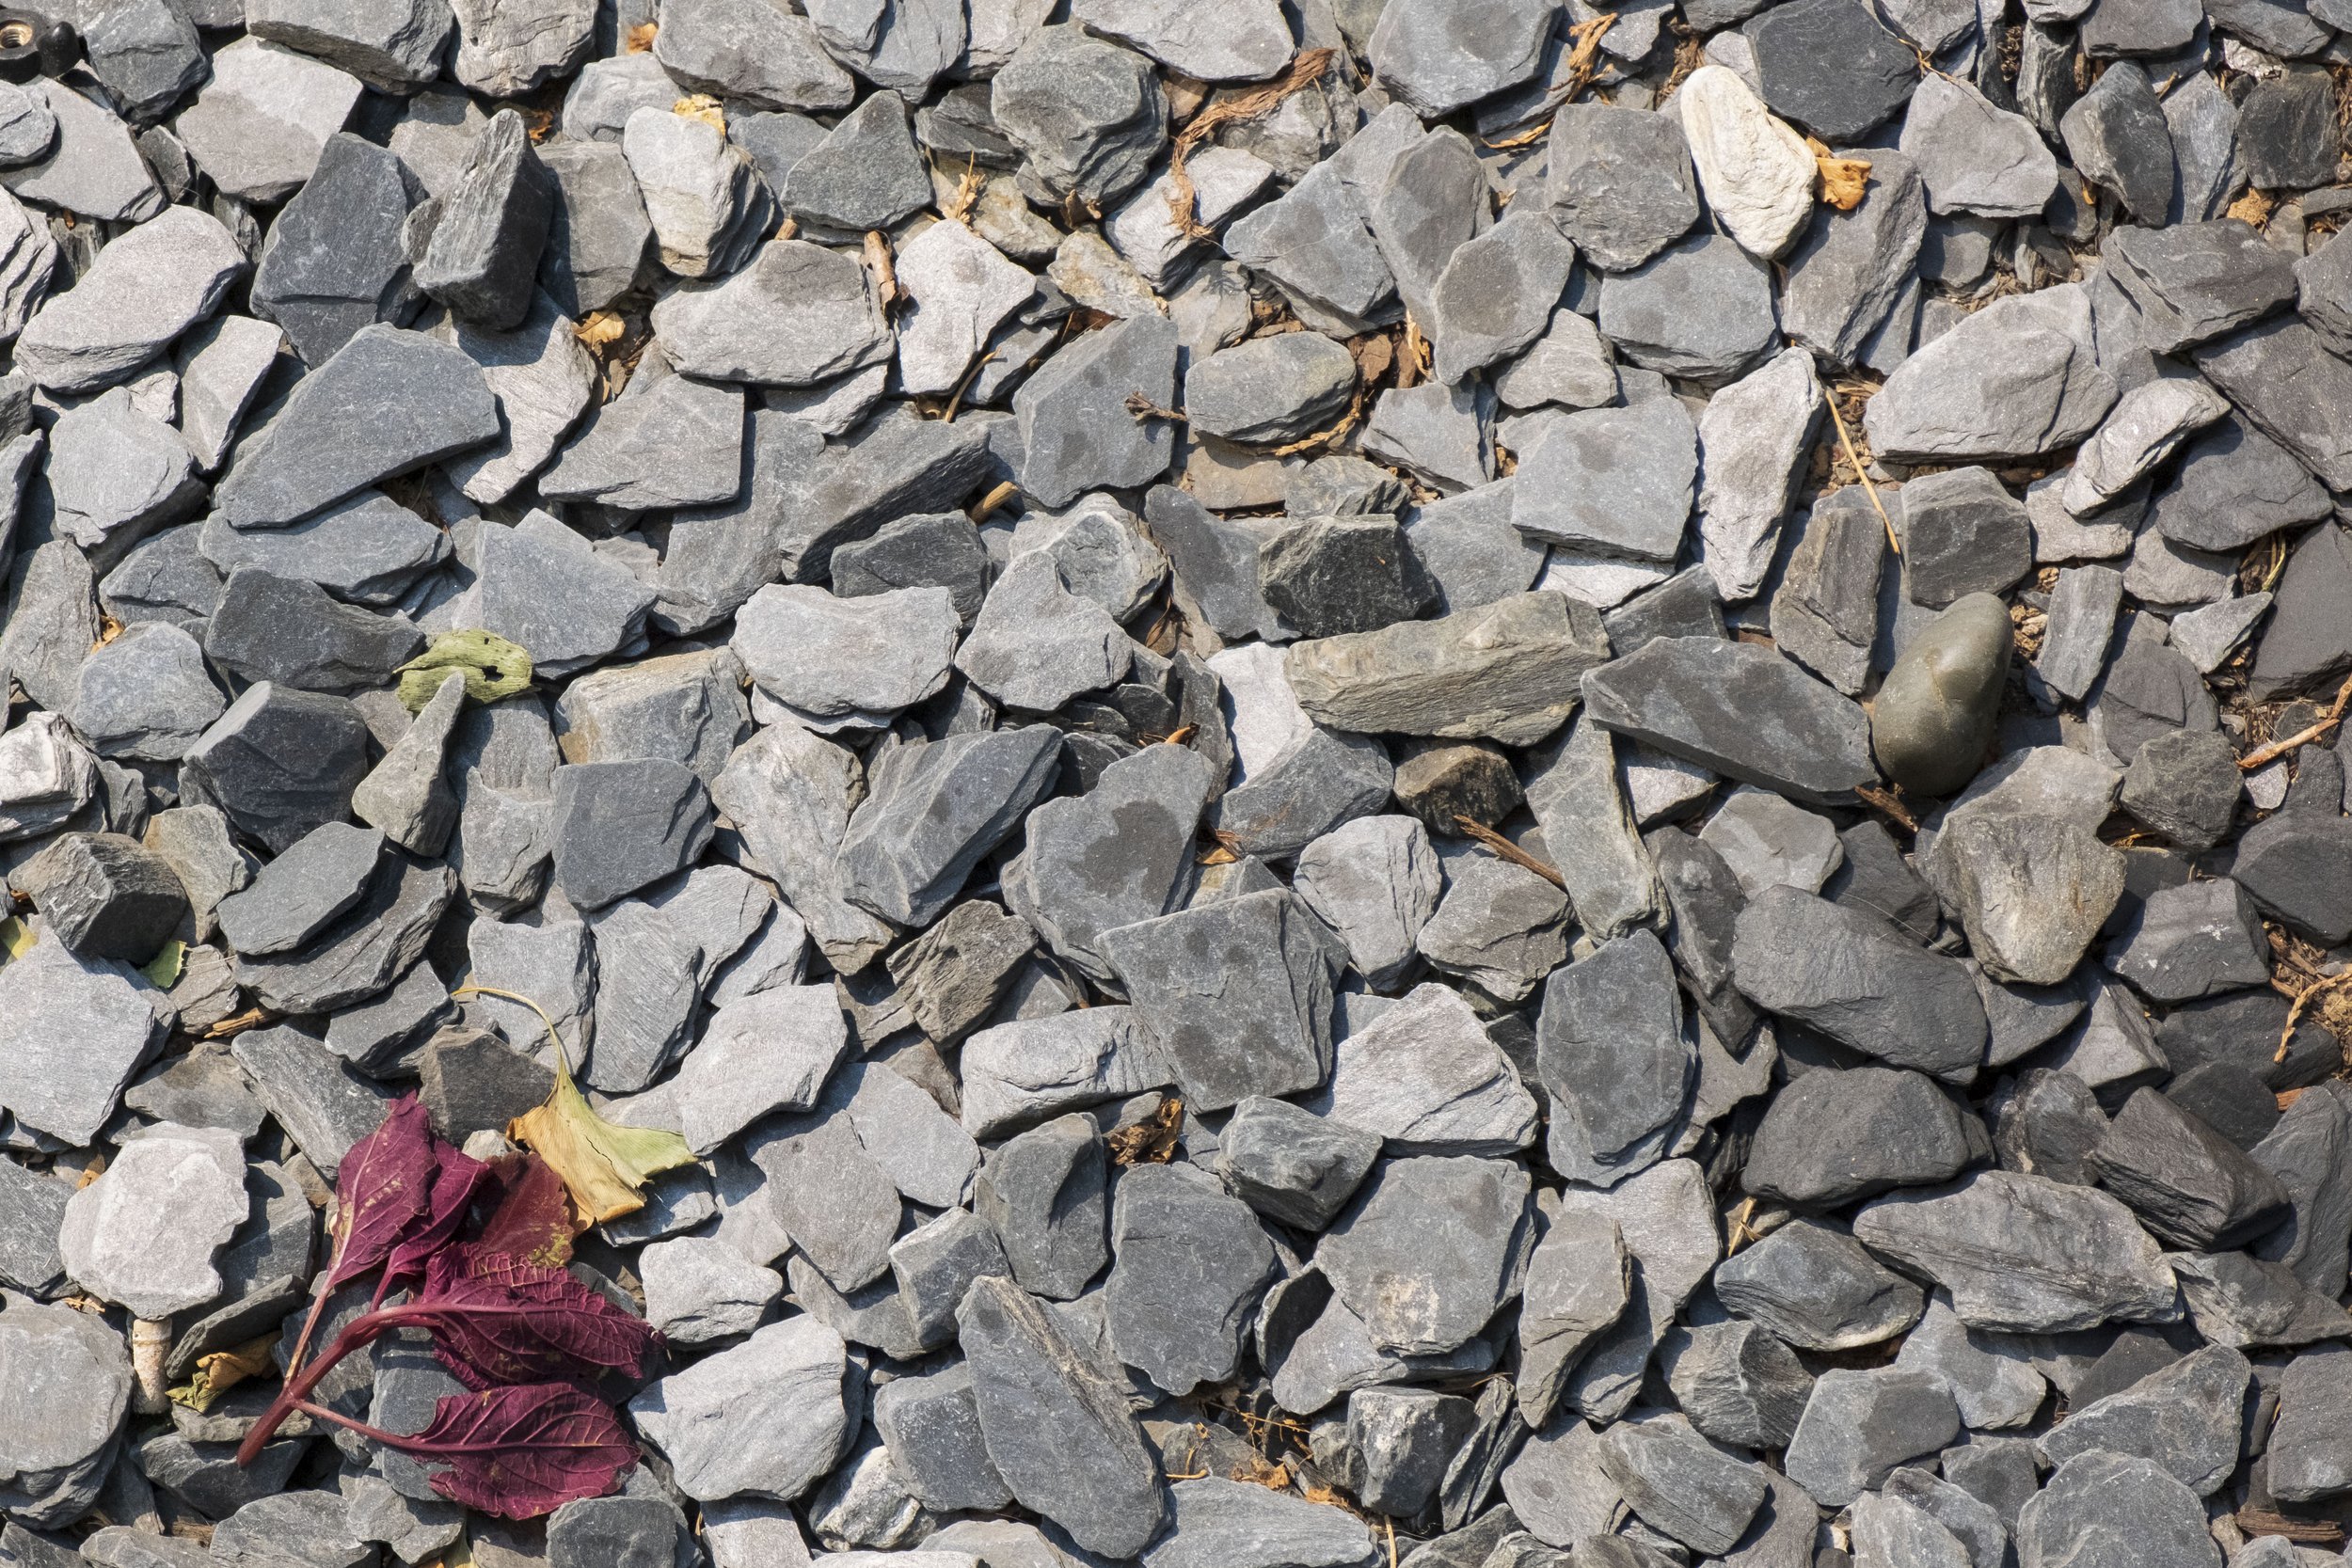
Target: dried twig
[[1845, 439], [252, 1018], [2318, 1532], [968, 188], [2295, 1013], [1476, 829], [1302, 71], [1886, 801], [1144, 408], [964, 385], [1584, 65], [885, 270], [2278, 749], [997, 496]]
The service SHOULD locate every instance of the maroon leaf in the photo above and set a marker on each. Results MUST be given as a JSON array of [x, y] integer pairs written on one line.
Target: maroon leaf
[[532, 1218], [497, 1319], [522, 1451], [384, 1188], [456, 1179]]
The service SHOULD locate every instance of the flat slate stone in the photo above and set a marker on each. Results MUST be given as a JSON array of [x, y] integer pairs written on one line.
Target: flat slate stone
[[425, 399], [1619, 183], [1737, 709], [1423, 1285], [1270, 1033], [1034, 1386], [2008, 1248]]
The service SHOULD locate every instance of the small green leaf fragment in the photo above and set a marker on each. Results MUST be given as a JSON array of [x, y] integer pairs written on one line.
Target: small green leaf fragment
[[163, 967], [494, 669]]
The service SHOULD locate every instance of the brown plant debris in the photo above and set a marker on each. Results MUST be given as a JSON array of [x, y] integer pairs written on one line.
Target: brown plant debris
[[1304, 69], [1150, 1141]]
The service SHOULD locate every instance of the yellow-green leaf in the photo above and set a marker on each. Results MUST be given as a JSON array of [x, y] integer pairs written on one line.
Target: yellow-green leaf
[[603, 1164], [494, 667], [163, 967], [222, 1370], [16, 939]]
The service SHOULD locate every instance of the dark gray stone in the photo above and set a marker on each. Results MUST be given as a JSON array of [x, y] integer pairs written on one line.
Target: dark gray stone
[[1858, 1426], [1618, 181], [2024, 1253], [1076, 431], [1834, 1137], [1830, 66], [2116, 136], [1681, 1484], [2100, 1502], [2187, 1183], [1852, 977], [1738, 709], [1270, 1033], [1036, 1389], [104, 896], [426, 400], [1612, 1055], [278, 763], [1290, 1164], [1430, 1250], [1042, 1192], [933, 811], [1188, 1264], [2187, 1418], [621, 826]]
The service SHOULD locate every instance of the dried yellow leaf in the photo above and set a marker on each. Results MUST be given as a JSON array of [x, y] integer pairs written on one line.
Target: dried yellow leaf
[[702, 106], [600, 329], [222, 1370], [604, 1165], [1843, 181], [640, 38]]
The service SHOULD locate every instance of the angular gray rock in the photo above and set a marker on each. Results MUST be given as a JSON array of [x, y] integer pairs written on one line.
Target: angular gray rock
[[1504, 670], [145, 1234], [1424, 1076], [765, 1418], [425, 401], [1738, 709], [147, 288], [1612, 481], [1290, 1164], [2101, 1501], [2012, 1251], [1270, 1031], [1187, 1265], [1619, 182], [932, 811], [1814, 1288], [1430, 1250], [1035, 1387]]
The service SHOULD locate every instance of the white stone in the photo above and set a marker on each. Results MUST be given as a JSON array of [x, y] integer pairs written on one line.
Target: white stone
[[143, 1233], [960, 289], [1757, 173]]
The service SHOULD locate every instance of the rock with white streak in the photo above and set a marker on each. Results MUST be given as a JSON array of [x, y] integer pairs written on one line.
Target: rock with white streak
[[1426, 1078]]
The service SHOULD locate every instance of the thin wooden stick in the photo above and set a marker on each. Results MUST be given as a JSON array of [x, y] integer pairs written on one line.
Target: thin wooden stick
[[1510, 851], [1845, 439], [1310, 65], [2278, 749]]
